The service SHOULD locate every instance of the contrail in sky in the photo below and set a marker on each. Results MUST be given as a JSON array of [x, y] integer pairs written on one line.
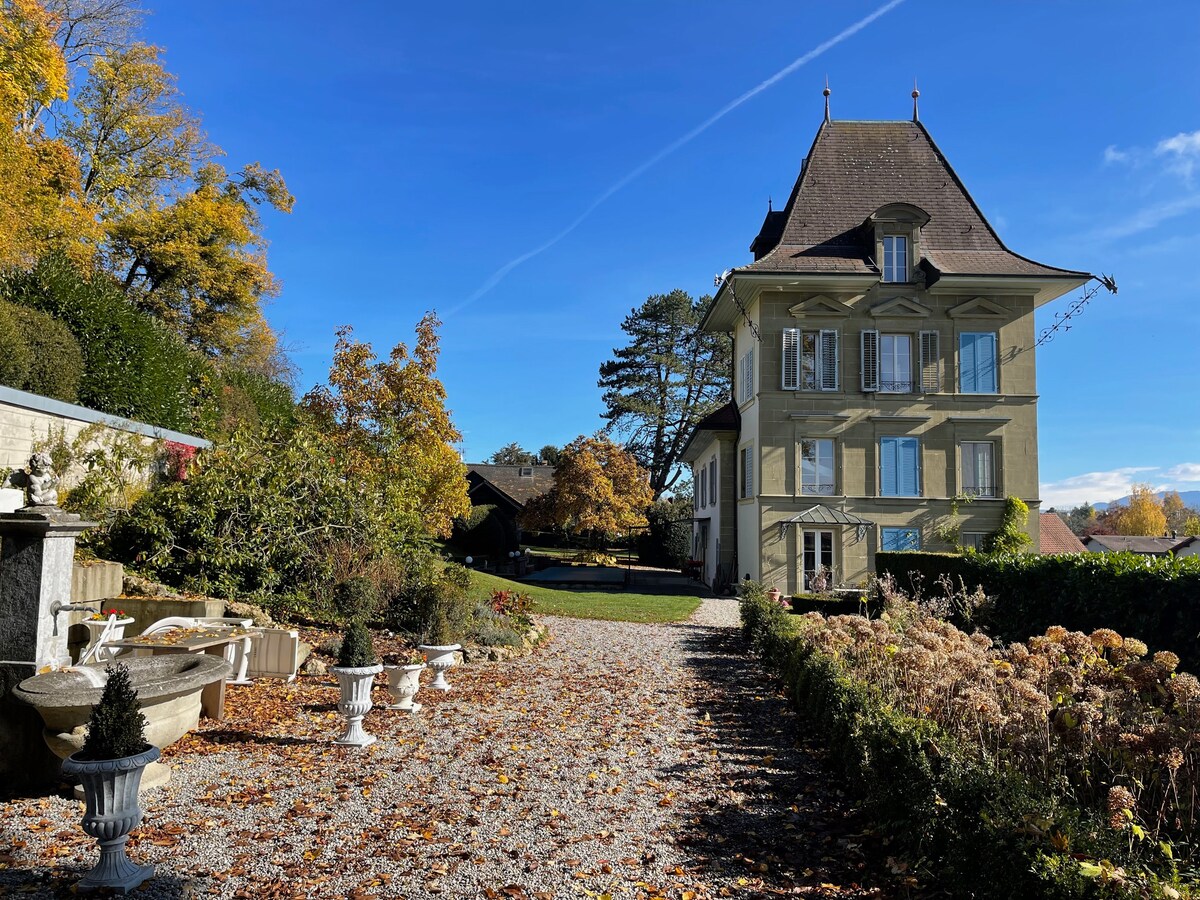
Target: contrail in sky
[[658, 157]]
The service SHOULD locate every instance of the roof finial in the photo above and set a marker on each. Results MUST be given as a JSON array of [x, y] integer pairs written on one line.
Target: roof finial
[[827, 92], [769, 206], [915, 95]]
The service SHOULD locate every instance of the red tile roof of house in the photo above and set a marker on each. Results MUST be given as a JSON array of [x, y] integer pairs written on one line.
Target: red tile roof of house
[[1057, 537]]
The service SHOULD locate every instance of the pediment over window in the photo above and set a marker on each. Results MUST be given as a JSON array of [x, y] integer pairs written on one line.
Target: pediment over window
[[901, 308], [820, 305], [979, 308], [899, 214]]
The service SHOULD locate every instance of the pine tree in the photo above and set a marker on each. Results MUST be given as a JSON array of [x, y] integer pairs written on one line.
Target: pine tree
[[665, 380]]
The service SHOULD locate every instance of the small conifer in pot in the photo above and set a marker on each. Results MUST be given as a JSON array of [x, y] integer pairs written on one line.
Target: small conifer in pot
[[116, 728], [357, 648], [356, 670]]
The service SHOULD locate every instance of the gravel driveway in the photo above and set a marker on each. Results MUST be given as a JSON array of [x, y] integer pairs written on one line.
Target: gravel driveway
[[620, 759]]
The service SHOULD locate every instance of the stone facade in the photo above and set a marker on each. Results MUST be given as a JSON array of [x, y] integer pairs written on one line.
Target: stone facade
[[909, 378]]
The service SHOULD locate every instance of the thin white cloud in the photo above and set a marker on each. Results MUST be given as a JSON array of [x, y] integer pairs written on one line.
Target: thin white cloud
[[1150, 217], [1092, 487], [1185, 472], [658, 157], [1182, 153], [1113, 155]]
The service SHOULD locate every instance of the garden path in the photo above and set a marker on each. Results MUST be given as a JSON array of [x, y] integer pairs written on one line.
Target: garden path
[[619, 760]]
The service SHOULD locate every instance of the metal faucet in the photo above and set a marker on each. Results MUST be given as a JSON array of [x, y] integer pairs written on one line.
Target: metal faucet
[[58, 606]]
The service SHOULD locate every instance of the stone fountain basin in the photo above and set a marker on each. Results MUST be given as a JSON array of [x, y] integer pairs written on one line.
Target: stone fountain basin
[[168, 687]]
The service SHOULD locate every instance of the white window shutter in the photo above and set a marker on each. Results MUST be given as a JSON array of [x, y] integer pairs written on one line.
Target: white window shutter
[[829, 360], [931, 360], [870, 360], [791, 359]]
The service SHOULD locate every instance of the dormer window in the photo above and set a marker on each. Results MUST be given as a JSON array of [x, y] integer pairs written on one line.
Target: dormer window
[[895, 257]]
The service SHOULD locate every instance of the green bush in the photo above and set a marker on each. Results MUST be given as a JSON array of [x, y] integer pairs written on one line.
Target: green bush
[[55, 358], [974, 829], [116, 727], [257, 519], [357, 649], [133, 366], [1156, 599], [14, 351]]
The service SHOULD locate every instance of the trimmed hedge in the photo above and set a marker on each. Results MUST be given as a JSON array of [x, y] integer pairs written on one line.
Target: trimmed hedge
[[1156, 599], [969, 826], [38, 353]]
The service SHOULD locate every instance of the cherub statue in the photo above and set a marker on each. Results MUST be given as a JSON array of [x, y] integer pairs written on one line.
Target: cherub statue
[[40, 482]]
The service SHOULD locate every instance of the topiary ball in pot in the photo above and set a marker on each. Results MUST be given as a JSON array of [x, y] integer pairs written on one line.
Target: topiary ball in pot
[[110, 768], [356, 670]]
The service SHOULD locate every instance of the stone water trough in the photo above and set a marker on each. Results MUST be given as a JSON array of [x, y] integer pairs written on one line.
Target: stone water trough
[[168, 687]]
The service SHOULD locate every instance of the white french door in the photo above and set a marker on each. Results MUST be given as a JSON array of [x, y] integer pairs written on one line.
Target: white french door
[[816, 553]]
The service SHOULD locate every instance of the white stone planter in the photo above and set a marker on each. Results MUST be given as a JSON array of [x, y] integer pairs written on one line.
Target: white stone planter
[[403, 682], [440, 657], [110, 787], [355, 702], [96, 627]]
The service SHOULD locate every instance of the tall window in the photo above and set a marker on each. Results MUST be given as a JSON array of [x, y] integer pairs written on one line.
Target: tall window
[[895, 257], [746, 373], [810, 360], [977, 362], [978, 469], [895, 363], [899, 467], [701, 487], [747, 484], [816, 466], [712, 482], [900, 538]]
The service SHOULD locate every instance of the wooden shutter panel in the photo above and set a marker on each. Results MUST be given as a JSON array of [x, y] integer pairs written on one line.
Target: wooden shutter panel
[[966, 364], [829, 360], [791, 359], [870, 360], [887, 467], [931, 376], [910, 467], [985, 363]]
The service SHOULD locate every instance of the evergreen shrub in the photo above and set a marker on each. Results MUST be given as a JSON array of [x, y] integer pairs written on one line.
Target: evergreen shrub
[[667, 541], [357, 648], [116, 728]]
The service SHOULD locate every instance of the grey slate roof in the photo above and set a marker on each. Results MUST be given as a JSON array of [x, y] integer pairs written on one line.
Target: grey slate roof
[[509, 480], [1149, 546], [854, 169]]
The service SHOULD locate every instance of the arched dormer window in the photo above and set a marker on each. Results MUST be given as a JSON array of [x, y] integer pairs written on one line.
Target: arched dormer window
[[897, 231]]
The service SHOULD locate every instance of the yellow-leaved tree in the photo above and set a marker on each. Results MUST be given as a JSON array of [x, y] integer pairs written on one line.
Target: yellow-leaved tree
[[390, 422], [599, 491], [1144, 515]]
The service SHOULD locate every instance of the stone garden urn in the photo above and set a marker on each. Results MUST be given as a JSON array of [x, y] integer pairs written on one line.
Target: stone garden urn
[[403, 682], [355, 683], [110, 789], [440, 658]]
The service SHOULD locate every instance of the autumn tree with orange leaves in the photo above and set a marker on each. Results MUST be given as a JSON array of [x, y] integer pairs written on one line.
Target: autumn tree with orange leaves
[[599, 491], [390, 423]]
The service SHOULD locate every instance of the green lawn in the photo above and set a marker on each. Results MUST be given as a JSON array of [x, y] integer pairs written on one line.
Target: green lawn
[[617, 606]]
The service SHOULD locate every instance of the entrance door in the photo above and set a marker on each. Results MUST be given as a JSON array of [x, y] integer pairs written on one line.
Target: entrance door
[[817, 554]]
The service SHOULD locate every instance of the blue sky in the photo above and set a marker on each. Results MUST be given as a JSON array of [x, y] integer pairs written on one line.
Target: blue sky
[[430, 145]]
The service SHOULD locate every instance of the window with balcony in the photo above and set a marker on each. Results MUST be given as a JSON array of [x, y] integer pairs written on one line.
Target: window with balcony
[[810, 360], [978, 469], [895, 364], [816, 467]]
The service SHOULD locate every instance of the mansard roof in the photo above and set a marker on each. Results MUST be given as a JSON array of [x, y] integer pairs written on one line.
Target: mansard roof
[[855, 169]]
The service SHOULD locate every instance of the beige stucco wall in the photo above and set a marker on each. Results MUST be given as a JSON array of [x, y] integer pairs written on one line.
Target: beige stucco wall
[[776, 420], [720, 516]]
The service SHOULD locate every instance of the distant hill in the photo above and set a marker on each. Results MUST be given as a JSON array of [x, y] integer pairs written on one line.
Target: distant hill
[[1189, 498]]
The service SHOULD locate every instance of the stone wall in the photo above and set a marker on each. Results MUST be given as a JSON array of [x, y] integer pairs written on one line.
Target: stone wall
[[25, 418]]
